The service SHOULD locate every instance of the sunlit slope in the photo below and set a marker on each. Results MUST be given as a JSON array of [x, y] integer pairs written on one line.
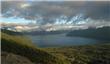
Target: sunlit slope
[[22, 46], [88, 54]]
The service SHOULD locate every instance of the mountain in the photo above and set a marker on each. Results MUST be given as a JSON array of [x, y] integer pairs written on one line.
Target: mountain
[[47, 27], [34, 33], [96, 33], [20, 45], [11, 32]]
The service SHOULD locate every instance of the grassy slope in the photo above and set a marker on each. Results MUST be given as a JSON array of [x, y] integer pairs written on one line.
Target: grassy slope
[[21, 46], [89, 54]]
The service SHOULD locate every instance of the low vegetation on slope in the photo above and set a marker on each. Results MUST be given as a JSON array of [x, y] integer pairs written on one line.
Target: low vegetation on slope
[[21, 46], [88, 54]]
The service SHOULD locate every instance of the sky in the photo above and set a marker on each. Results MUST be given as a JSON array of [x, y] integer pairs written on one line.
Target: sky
[[15, 20], [56, 12]]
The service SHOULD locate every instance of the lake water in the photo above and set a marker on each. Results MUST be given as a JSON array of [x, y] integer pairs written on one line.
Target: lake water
[[60, 40]]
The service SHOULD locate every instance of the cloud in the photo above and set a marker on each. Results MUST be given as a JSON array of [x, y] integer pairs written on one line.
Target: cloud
[[49, 11], [99, 10]]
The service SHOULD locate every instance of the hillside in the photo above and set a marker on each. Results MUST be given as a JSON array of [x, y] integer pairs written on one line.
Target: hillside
[[96, 33], [20, 45], [10, 58], [18, 49], [88, 54]]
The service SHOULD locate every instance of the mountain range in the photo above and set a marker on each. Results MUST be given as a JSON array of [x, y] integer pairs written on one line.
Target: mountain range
[[95, 33]]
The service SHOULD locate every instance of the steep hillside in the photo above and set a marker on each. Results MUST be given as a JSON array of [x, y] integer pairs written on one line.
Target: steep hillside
[[22, 46], [99, 33]]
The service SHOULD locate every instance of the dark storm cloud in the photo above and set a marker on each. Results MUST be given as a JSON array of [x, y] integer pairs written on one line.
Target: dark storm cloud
[[98, 10], [50, 11]]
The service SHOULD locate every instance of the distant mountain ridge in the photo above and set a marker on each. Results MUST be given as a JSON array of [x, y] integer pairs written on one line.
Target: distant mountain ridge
[[11, 32], [96, 33]]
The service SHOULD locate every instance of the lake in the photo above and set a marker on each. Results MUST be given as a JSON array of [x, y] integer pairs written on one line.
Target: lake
[[57, 40]]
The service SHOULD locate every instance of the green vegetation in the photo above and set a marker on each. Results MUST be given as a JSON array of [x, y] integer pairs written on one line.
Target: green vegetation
[[20, 45], [99, 33], [88, 54]]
